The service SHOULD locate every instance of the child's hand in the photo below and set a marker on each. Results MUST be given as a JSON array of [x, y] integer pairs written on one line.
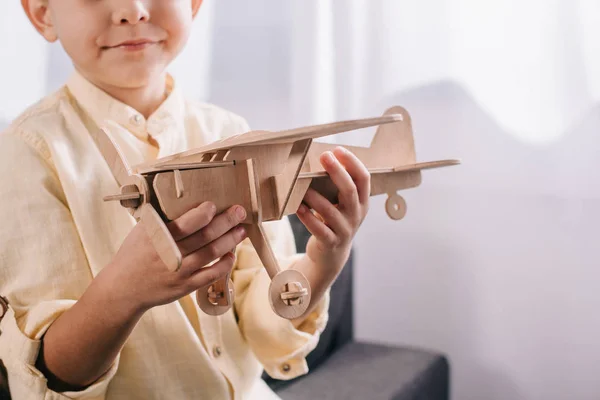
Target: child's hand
[[138, 278], [334, 226]]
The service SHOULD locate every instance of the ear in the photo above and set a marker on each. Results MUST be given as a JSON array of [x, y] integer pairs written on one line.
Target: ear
[[38, 13], [195, 7]]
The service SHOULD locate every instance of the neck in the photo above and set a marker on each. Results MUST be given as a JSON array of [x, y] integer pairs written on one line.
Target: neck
[[145, 99]]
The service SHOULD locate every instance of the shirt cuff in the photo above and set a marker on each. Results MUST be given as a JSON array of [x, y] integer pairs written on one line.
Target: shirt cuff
[[279, 346], [20, 341]]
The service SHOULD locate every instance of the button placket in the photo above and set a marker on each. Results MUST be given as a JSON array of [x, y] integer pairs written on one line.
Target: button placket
[[155, 128], [138, 126]]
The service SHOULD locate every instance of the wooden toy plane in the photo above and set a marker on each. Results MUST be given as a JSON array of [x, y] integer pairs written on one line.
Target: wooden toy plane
[[268, 173]]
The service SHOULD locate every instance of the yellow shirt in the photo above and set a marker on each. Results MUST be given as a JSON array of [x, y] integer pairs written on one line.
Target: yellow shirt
[[57, 234]]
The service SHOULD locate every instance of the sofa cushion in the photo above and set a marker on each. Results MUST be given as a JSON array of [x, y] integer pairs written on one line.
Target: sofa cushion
[[372, 371]]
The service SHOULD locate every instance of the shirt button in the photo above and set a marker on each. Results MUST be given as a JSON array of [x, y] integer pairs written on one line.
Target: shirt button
[[286, 367], [137, 119], [216, 351]]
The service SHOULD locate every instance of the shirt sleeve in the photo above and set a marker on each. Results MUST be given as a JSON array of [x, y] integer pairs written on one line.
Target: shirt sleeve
[[43, 267]]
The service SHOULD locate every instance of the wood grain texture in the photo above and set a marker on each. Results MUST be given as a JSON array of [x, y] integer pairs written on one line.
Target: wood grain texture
[[267, 173], [260, 242], [395, 206], [286, 306], [161, 238], [284, 183], [389, 170], [225, 187], [219, 304], [268, 161], [256, 138]]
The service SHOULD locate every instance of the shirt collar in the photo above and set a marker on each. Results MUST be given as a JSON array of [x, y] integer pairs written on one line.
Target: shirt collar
[[102, 107]]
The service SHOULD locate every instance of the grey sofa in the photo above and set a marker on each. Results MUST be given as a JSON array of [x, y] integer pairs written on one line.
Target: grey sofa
[[343, 368]]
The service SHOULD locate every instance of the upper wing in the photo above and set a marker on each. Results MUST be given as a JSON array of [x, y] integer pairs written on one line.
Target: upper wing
[[401, 168], [254, 138]]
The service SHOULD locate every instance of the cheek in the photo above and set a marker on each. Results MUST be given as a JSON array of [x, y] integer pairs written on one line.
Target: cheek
[[179, 39], [178, 24], [78, 42]]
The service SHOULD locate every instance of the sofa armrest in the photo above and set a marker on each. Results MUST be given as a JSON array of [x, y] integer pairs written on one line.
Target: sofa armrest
[[372, 371]]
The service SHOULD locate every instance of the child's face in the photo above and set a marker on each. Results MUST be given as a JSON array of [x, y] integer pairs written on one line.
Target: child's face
[[119, 43]]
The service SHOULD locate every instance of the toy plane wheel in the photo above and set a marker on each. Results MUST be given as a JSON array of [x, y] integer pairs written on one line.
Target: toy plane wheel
[[395, 206], [216, 299], [289, 294]]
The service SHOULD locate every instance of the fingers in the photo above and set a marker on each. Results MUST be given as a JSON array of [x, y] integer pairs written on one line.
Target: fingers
[[213, 250], [207, 275], [192, 221], [315, 226], [217, 227], [358, 171], [353, 181], [330, 214], [348, 195]]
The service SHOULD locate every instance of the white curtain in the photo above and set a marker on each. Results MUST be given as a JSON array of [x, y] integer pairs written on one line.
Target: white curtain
[[530, 64], [23, 58], [496, 261]]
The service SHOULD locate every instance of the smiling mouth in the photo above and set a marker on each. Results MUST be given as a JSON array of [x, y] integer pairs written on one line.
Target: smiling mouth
[[132, 45]]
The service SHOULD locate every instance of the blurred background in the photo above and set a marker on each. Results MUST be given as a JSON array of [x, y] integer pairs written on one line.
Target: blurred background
[[496, 262]]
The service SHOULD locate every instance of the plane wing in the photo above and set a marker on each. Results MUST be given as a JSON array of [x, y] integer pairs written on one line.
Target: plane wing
[[255, 138], [402, 168]]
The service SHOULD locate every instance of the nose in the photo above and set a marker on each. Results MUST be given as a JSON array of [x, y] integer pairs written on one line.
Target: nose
[[130, 12]]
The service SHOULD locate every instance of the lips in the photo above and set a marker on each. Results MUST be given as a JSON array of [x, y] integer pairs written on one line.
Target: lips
[[136, 44]]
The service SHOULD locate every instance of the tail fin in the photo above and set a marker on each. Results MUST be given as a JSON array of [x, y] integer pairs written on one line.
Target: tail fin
[[392, 146]]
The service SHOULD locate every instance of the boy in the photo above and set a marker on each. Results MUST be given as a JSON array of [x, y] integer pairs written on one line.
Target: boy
[[94, 313]]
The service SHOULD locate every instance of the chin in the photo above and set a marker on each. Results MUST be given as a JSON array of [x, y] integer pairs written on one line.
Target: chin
[[134, 78]]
